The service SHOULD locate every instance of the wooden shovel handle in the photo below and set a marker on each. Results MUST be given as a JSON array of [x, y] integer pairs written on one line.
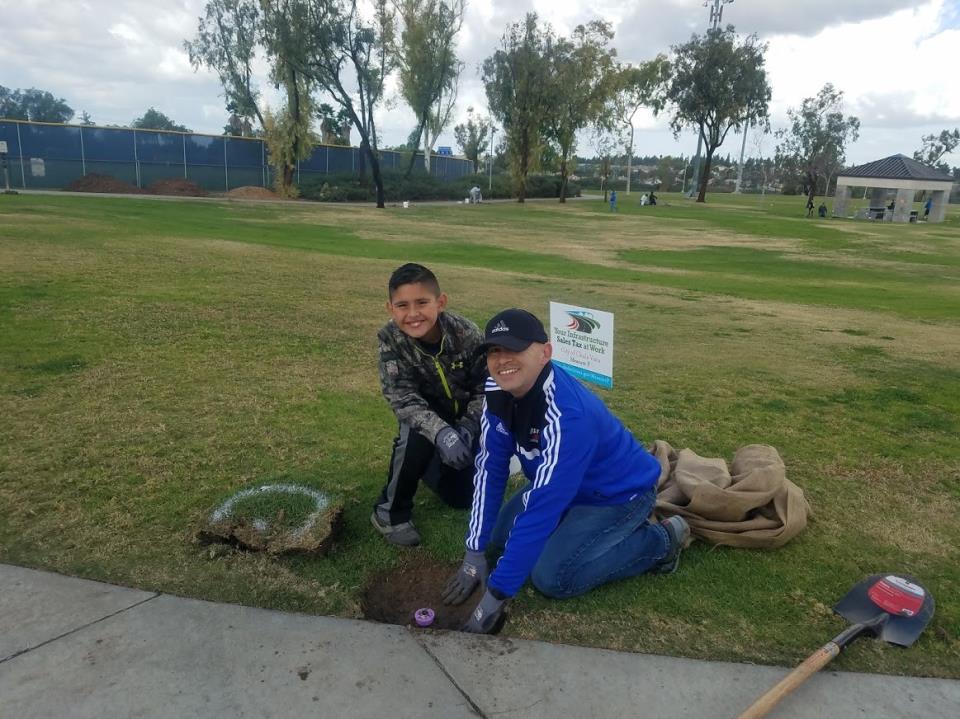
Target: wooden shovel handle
[[811, 665]]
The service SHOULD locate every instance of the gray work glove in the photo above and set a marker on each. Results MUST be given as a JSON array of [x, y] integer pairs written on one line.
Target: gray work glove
[[484, 618], [454, 452], [472, 572], [466, 435]]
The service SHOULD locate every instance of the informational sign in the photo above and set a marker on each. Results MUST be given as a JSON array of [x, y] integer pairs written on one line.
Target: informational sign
[[583, 342], [3, 147]]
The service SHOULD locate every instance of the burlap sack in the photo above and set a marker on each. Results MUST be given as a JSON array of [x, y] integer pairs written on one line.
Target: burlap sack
[[752, 504]]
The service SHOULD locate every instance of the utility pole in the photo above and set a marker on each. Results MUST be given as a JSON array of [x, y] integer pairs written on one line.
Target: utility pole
[[716, 16], [740, 166], [493, 130]]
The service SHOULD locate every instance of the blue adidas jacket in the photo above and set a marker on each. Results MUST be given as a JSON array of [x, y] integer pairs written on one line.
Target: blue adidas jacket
[[572, 449]]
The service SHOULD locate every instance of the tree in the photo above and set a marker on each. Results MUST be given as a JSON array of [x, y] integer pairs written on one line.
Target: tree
[[429, 67], [639, 86], [153, 119], [515, 79], [718, 84], [85, 118], [604, 142], [579, 86], [34, 105], [345, 53], [472, 137], [334, 125], [229, 35], [936, 146], [814, 144]]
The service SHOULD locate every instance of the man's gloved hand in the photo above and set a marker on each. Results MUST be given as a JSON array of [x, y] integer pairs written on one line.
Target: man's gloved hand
[[472, 572], [453, 451], [484, 618]]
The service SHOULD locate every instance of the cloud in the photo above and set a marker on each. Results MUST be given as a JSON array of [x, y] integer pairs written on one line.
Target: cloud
[[894, 59]]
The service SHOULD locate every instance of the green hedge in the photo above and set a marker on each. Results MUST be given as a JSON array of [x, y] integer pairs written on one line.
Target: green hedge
[[347, 187]]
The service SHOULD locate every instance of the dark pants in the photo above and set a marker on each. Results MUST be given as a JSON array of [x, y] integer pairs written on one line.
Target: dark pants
[[414, 458]]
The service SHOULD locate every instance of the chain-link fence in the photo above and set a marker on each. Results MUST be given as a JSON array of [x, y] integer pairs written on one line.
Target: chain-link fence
[[51, 156]]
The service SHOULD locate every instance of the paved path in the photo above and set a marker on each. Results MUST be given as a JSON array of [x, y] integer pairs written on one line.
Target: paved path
[[72, 648]]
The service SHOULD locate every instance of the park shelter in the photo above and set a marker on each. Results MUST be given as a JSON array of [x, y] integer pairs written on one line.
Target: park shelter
[[895, 173]]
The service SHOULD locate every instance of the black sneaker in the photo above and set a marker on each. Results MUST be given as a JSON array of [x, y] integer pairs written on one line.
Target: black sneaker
[[403, 534], [679, 532]]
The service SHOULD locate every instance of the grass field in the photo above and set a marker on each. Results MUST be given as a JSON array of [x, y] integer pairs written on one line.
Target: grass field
[[158, 355]]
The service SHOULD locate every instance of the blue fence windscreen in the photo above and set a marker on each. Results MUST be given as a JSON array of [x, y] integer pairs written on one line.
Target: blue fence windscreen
[[108, 145], [51, 155]]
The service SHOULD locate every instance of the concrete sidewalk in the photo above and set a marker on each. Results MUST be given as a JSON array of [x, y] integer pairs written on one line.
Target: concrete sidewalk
[[76, 648]]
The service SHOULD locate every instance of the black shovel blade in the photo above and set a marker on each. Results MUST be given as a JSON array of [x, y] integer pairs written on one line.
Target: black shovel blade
[[906, 605]]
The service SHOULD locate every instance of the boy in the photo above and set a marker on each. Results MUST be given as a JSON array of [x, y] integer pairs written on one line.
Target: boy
[[433, 378]]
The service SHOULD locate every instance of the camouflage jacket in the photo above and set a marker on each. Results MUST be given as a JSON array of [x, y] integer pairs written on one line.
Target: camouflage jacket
[[428, 393]]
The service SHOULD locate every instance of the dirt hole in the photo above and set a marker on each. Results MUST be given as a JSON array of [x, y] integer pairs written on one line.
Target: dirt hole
[[394, 596]]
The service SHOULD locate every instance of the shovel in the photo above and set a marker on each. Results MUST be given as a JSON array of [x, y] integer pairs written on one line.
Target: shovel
[[892, 607]]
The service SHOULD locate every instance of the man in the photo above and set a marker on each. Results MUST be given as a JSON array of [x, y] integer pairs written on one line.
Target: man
[[583, 519]]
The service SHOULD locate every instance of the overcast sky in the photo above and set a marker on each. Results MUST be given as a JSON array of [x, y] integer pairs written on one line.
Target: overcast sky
[[895, 60]]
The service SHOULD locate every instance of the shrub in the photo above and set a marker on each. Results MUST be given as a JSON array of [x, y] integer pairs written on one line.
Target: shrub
[[348, 187]]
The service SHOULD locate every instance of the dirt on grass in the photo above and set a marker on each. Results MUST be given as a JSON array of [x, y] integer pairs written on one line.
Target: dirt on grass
[[252, 192], [316, 540], [103, 183], [393, 597], [178, 186]]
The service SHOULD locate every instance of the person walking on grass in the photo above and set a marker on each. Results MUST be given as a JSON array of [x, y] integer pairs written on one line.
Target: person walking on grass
[[613, 200], [432, 378], [809, 207], [583, 517]]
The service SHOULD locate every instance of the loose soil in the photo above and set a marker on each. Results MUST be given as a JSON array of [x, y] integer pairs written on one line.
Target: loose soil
[[252, 192], [179, 186], [317, 541], [393, 597], [103, 183]]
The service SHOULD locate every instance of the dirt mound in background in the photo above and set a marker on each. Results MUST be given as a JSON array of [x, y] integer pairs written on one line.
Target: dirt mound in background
[[393, 597], [179, 186], [252, 192], [102, 183]]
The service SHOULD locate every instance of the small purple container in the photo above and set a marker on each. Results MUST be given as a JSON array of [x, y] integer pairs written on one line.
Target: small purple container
[[424, 616]]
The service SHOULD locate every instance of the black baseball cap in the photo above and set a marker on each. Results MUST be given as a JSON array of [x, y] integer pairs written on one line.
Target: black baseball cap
[[514, 329]]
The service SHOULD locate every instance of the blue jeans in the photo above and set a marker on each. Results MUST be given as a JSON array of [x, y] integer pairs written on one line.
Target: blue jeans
[[591, 545]]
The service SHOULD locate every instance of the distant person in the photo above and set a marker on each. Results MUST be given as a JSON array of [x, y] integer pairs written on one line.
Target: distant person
[[927, 206], [613, 200], [644, 200], [475, 195], [891, 205], [653, 198], [822, 210], [433, 380], [585, 515], [809, 207]]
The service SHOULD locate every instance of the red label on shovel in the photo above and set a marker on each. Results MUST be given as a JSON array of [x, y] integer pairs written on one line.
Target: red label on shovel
[[897, 596]]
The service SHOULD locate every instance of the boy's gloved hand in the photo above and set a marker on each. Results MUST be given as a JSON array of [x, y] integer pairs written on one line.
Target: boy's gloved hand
[[454, 452], [465, 434], [472, 572], [484, 618]]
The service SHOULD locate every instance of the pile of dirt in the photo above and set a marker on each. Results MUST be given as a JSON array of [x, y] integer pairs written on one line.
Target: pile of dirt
[[393, 597], [316, 539], [179, 186], [102, 183], [252, 192]]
